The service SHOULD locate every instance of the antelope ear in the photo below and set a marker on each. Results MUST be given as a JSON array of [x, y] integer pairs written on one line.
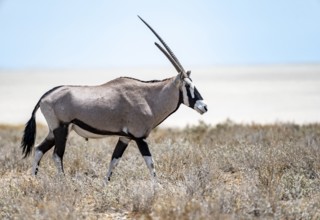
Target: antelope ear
[[184, 75]]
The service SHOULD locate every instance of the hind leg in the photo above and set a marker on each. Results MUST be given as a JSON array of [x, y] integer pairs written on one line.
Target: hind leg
[[46, 145], [60, 138]]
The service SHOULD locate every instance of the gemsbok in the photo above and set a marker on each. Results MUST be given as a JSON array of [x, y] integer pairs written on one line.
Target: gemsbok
[[126, 107]]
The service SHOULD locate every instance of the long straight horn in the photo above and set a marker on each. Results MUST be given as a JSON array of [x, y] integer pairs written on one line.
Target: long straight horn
[[174, 63], [167, 48]]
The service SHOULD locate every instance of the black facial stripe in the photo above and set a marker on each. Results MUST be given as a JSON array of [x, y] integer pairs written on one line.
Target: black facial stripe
[[197, 94], [192, 101]]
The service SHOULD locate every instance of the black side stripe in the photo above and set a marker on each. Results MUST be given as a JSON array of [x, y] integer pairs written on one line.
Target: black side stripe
[[93, 130]]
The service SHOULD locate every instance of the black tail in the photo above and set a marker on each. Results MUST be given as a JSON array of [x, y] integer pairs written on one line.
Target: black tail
[[30, 130], [29, 134]]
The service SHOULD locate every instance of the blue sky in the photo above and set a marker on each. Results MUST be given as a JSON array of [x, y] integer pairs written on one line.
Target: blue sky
[[106, 34]]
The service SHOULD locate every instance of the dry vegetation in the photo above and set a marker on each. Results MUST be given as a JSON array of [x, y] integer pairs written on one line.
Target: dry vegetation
[[228, 171]]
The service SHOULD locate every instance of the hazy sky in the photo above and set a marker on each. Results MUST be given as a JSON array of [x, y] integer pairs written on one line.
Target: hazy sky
[[104, 34]]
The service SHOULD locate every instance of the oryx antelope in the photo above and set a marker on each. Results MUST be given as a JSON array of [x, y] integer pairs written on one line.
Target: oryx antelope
[[126, 107]]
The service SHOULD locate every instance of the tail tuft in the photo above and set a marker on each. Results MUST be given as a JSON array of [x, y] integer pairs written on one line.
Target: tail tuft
[[29, 136], [30, 130]]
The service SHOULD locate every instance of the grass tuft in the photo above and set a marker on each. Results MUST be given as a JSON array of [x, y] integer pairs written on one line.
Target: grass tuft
[[228, 171]]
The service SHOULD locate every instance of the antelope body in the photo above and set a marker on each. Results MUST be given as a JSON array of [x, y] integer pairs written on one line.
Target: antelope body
[[126, 107]]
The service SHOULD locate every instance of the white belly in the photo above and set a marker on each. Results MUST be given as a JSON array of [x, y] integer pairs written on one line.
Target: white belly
[[84, 133]]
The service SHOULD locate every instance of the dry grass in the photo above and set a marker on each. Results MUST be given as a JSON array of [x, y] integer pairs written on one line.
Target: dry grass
[[228, 171]]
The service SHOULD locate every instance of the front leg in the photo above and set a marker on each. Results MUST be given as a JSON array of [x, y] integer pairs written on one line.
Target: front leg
[[145, 152], [117, 154]]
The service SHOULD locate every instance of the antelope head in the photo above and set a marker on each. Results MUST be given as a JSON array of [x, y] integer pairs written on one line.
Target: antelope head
[[191, 96]]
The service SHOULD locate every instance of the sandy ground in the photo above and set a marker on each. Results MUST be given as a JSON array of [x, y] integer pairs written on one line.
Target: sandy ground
[[229, 171], [263, 94]]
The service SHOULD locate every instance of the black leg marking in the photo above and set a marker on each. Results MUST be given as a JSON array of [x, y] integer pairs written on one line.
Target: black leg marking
[[60, 137], [143, 147], [46, 145], [117, 154], [119, 149], [145, 152]]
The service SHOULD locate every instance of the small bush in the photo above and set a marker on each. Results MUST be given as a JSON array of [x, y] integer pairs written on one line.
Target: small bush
[[228, 171]]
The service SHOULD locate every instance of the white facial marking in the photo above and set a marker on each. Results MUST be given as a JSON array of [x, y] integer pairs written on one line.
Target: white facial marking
[[200, 106], [185, 96], [189, 82]]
